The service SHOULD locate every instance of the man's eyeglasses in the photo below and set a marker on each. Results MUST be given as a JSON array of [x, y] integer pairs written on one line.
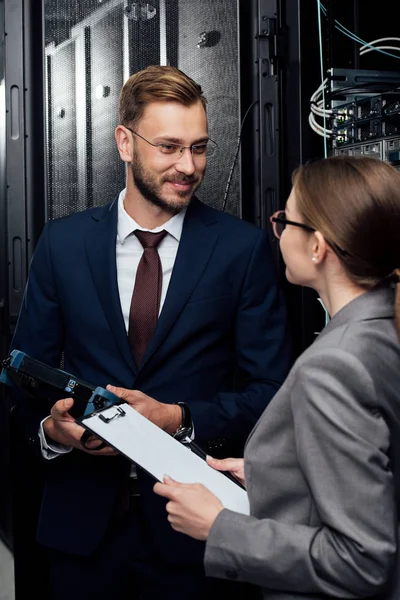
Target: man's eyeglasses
[[279, 222], [199, 152]]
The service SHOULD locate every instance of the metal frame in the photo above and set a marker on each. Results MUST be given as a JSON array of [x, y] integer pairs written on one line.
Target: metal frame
[[5, 499], [261, 91], [279, 138], [25, 147], [269, 107], [22, 190], [300, 72], [15, 151], [345, 79], [3, 212]]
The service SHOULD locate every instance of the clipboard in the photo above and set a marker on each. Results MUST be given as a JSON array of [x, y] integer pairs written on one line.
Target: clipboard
[[158, 453]]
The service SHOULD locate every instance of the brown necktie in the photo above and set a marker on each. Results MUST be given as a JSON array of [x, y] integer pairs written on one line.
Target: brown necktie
[[145, 304]]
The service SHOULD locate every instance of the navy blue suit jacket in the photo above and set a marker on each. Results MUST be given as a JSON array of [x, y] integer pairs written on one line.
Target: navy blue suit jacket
[[220, 345]]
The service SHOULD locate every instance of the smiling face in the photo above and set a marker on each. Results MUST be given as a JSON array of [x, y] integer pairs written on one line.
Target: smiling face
[[164, 180]]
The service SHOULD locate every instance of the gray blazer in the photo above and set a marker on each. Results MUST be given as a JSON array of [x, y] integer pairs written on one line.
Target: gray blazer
[[320, 470]]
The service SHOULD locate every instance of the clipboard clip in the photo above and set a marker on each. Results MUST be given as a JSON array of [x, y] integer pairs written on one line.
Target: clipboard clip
[[120, 413]]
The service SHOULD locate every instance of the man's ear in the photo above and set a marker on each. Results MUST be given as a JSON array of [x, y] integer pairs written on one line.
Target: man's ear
[[124, 143], [319, 248]]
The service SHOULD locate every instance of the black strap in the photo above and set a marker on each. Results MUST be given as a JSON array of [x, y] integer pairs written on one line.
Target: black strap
[[85, 438]]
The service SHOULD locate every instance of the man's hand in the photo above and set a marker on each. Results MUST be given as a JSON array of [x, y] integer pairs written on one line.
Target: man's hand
[[192, 508], [166, 416], [233, 465], [61, 428]]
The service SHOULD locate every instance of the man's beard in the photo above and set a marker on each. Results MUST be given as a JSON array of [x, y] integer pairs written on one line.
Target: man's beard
[[150, 187]]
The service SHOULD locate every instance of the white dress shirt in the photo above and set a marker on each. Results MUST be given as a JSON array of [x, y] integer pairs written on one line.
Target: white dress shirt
[[128, 254]]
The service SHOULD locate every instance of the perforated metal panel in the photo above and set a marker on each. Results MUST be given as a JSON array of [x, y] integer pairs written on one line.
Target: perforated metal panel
[[92, 47], [215, 67]]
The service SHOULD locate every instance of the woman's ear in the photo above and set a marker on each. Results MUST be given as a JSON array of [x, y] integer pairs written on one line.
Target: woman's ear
[[124, 143], [319, 248]]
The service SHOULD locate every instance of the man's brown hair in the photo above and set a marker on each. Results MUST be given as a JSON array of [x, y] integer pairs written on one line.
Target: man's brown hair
[[156, 84]]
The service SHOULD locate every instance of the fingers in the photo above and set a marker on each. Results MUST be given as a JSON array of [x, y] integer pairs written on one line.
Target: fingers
[[91, 443], [164, 490], [124, 394], [168, 480], [107, 451], [224, 464], [94, 445], [60, 409], [120, 392], [169, 488], [173, 516], [173, 489]]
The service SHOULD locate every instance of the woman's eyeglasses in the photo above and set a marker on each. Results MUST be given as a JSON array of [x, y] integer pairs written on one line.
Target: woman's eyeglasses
[[279, 222]]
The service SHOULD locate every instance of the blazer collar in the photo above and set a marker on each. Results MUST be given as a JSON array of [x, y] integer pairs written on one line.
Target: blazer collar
[[374, 304]]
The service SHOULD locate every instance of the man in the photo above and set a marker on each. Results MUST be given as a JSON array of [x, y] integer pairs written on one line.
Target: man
[[219, 346]]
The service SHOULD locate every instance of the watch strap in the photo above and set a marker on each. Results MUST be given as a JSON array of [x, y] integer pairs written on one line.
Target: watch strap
[[186, 427]]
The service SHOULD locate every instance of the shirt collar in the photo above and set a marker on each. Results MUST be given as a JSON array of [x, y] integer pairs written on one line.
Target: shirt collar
[[127, 225]]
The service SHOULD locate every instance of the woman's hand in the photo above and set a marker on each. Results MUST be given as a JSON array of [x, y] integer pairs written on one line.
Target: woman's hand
[[192, 508], [234, 465]]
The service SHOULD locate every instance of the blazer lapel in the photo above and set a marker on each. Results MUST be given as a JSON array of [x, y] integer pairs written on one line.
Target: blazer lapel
[[100, 244], [195, 249], [374, 304]]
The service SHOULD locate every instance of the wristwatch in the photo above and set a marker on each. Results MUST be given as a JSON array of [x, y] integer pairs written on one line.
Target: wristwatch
[[185, 429]]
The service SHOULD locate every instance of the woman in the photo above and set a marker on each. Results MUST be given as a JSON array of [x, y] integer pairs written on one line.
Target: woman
[[321, 465]]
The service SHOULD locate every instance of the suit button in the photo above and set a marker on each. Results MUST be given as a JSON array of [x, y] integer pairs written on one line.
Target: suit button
[[231, 574]]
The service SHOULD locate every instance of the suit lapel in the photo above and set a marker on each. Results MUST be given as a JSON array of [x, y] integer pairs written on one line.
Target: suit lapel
[[100, 244], [195, 249]]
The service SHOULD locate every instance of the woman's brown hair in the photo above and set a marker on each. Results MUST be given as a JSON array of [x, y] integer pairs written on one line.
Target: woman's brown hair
[[156, 83], [354, 201]]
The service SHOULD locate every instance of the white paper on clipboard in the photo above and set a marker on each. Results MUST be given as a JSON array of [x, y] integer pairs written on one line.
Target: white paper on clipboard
[[160, 454]]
